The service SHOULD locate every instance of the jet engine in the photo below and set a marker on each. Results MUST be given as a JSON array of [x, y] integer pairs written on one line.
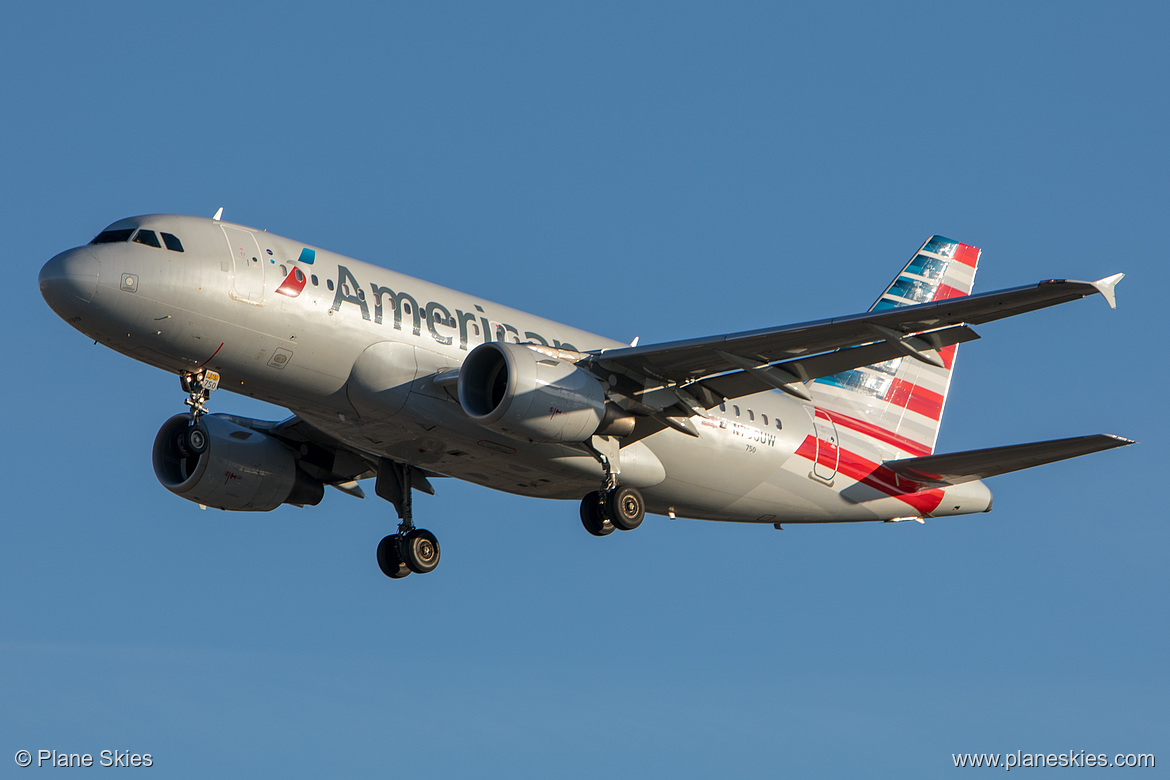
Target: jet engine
[[528, 395], [217, 463]]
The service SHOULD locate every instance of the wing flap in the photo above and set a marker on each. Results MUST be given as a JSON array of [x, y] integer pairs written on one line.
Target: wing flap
[[958, 467]]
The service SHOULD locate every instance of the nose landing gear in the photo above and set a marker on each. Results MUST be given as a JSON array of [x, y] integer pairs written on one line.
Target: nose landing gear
[[198, 386]]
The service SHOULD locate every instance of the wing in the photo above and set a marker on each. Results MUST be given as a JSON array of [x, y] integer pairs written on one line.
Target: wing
[[957, 467], [699, 373]]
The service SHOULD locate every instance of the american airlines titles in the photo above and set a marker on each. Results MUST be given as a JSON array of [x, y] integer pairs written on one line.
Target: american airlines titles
[[434, 314]]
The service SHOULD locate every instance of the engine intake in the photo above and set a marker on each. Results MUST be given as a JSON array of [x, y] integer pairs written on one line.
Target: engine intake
[[525, 394], [221, 464]]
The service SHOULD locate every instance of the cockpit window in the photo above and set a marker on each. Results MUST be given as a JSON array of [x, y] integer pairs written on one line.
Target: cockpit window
[[113, 236], [147, 237], [172, 241]]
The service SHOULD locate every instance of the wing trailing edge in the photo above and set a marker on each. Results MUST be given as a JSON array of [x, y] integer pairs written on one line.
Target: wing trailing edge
[[958, 467]]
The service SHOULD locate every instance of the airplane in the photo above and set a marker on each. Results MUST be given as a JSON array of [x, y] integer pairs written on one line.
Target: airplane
[[394, 379]]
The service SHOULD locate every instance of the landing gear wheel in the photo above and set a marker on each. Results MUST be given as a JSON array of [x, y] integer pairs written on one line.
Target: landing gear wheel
[[191, 441], [390, 558], [591, 517], [420, 548], [625, 508]]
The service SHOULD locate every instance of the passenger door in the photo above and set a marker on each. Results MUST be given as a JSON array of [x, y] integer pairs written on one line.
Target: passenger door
[[248, 281]]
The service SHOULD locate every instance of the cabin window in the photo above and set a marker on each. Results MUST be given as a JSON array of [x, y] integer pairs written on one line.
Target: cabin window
[[765, 420], [329, 284], [779, 427], [113, 236], [283, 270], [723, 406], [314, 277], [172, 241], [736, 408], [361, 294], [147, 238], [751, 415]]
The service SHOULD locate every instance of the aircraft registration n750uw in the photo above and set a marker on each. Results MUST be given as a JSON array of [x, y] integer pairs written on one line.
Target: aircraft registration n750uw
[[393, 378]]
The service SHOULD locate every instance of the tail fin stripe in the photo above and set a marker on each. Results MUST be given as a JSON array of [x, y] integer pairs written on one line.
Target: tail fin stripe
[[967, 255], [948, 355], [880, 434], [915, 399], [946, 292]]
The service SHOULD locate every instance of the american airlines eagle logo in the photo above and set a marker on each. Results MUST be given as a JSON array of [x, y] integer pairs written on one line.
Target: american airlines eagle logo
[[294, 283]]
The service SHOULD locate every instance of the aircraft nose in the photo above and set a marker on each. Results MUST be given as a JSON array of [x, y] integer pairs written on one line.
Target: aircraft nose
[[69, 280]]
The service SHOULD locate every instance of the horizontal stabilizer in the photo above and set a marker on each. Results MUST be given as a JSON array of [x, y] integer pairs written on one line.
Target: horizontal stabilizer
[[957, 467]]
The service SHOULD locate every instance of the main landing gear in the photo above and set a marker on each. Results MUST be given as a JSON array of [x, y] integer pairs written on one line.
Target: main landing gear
[[620, 507], [411, 549], [614, 506]]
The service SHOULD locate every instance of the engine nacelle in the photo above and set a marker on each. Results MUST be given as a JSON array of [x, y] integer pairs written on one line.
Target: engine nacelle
[[525, 394], [227, 466]]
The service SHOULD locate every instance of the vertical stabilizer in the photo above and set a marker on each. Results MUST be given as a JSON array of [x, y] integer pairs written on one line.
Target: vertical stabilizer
[[902, 400]]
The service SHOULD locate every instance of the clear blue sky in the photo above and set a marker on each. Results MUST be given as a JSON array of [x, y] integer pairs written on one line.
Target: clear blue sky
[[653, 170]]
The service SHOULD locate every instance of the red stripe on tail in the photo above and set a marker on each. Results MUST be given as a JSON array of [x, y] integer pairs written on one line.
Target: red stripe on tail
[[915, 398], [967, 255]]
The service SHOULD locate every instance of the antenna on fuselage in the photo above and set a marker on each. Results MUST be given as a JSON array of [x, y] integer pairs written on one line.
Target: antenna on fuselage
[[218, 214]]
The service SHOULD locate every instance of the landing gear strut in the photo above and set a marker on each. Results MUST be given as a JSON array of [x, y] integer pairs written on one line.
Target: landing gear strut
[[198, 386], [411, 549]]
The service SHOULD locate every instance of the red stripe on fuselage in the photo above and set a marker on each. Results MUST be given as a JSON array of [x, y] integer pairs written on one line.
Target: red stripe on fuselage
[[877, 477]]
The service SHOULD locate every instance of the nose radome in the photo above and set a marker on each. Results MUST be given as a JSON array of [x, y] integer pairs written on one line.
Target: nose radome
[[69, 279]]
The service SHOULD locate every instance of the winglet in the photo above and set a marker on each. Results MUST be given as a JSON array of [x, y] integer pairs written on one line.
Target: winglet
[[218, 214], [1105, 287]]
